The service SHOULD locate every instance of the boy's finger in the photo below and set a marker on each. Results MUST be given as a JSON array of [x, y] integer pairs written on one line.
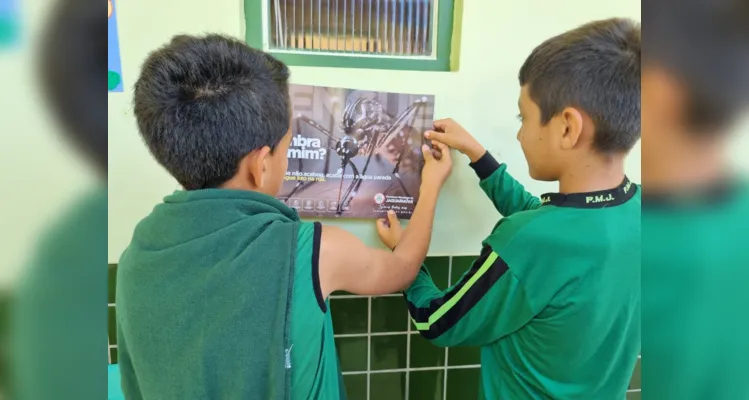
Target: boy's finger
[[440, 145], [393, 218], [434, 135], [443, 149], [427, 153], [441, 124]]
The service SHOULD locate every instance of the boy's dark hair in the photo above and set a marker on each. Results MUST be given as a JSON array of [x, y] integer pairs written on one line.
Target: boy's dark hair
[[73, 43], [705, 45], [596, 68], [203, 103]]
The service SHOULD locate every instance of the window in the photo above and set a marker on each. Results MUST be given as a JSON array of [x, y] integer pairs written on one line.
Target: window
[[381, 34]]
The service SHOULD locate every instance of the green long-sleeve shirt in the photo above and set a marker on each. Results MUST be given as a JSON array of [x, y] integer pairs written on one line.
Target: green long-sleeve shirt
[[696, 280], [554, 298]]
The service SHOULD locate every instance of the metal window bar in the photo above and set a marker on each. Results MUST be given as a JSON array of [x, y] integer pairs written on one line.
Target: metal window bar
[[401, 28], [353, 26]]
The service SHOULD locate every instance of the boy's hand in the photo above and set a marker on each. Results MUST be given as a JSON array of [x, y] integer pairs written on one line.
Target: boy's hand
[[437, 165], [452, 134], [389, 230]]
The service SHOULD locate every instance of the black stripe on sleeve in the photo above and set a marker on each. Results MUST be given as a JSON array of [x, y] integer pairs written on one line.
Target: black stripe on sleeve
[[469, 299], [485, 166], [317, 235]]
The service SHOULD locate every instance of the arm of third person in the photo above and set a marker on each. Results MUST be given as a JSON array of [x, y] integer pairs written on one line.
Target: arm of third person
[[346, 263]]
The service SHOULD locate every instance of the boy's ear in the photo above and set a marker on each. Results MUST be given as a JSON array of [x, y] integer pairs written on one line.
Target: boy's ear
[[572, 123], [256, 164]]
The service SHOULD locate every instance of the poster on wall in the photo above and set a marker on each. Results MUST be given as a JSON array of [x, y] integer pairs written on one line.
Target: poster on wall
[[9, 23], [114, 73], [355, 153]]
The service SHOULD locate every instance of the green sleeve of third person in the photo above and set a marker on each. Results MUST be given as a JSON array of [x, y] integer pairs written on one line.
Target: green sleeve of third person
[[486, 304], [508, 195]]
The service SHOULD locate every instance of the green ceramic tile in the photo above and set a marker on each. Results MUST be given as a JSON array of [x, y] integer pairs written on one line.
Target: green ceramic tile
[[636, 383], [387, 386], [113, 355], [425, 354], [464, 356], [356, 386], [439, 268], [389, 314], [112, 325], [426, 385], [460, 266], [634, 395], [112, 277], [388, 352], [462, 383], [352, 352], [349, 315]]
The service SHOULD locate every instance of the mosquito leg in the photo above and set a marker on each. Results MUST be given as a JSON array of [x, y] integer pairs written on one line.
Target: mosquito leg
[[366, 163], [345, 198]]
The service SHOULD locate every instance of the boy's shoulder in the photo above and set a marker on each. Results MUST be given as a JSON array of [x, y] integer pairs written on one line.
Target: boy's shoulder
[[532, 227], [308, 236]]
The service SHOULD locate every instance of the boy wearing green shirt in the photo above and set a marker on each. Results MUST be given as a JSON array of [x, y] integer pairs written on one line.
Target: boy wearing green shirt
[[223, 292], [695, 210], [554, 298]]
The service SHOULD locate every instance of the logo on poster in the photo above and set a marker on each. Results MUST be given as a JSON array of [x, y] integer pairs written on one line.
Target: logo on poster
[[379, 198]]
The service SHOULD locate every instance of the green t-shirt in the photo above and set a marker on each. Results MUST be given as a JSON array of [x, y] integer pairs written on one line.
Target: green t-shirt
[[695, 280], [315, 373], [554, 298]]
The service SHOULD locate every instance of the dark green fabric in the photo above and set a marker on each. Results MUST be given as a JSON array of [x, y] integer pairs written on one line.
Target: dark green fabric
[[59, 311], [203, 298], [695, 284], [315, 371]]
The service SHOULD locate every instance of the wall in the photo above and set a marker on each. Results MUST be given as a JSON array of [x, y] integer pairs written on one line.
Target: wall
[[41, 174], [496, 38]]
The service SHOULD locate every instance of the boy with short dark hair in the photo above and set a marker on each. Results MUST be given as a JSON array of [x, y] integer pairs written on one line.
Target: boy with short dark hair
[[222, 292], [695, 210], [554, 298]]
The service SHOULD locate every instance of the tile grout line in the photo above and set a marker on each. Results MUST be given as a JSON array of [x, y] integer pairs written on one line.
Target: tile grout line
[[386, 371], [357, 296], [369, 345], [355, 335], [408, 354], [449, 282]]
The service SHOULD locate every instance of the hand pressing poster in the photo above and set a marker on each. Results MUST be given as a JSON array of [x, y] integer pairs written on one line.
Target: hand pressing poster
[[354, 153], [114, 73]]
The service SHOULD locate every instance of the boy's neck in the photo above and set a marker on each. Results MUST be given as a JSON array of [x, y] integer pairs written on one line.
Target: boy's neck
[[687, 166], [592, 176]]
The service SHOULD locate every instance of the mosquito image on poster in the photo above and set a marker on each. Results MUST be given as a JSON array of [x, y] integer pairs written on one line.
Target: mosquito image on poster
[[355, 153]]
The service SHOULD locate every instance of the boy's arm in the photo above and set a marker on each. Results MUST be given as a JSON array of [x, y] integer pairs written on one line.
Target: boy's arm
[[346, 263], [487, 303], [508, 195]]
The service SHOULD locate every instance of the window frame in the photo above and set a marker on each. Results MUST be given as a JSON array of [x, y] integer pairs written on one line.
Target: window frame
[[254, 36]]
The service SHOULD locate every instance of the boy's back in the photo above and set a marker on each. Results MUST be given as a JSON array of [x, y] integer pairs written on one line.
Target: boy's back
[[203, 264], [580, 270]]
